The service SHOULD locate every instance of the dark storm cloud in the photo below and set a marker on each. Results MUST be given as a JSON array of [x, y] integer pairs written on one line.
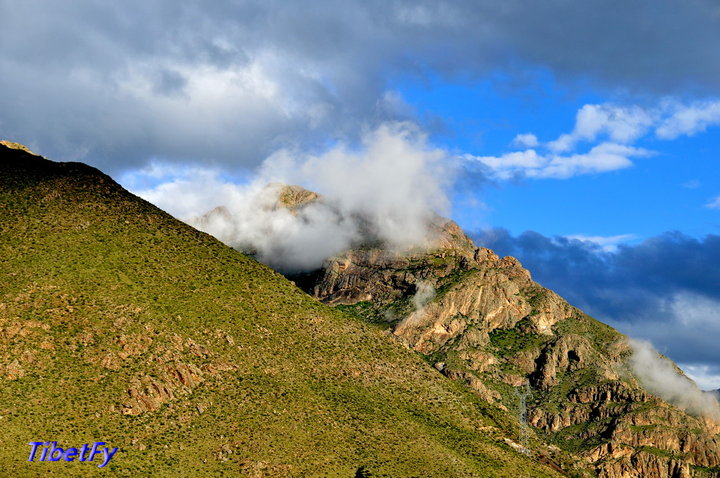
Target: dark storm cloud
[[118, 83], [665, 289]]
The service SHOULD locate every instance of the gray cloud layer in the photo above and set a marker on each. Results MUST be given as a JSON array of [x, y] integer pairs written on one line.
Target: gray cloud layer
[[232, 81]]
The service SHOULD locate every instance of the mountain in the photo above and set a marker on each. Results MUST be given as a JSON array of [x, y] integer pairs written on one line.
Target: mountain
[[483, 321], [123, 325]]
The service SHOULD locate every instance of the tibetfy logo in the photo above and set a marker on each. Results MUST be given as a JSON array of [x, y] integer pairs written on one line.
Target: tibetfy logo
[[52, 452]]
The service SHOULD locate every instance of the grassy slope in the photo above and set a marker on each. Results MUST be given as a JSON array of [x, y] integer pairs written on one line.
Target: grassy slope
[[101, 289]]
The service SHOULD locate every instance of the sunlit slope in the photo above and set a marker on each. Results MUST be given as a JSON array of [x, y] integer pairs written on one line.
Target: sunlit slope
[[120, 324]]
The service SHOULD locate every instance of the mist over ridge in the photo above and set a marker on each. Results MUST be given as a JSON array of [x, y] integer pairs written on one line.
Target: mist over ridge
[[388, 191]]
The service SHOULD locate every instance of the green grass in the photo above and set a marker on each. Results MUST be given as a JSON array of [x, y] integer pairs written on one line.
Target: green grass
[[706, 470]]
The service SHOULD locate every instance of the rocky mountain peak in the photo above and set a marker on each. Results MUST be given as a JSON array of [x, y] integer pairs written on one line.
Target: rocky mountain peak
[[481, 320], [18, 146], [293, 197]]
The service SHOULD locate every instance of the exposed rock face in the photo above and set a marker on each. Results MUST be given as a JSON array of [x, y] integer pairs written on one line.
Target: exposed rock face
[[293, 197], [380, 275], [13, 145], [486, 324]]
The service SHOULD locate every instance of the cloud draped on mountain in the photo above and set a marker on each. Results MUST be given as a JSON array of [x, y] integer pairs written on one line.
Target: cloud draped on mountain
[[153, 329]]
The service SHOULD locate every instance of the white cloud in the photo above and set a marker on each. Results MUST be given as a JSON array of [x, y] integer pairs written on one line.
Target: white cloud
[[389, 190], [704, 375], [423, 295], [507, 163], [526, 141], [621, 124], [601, 158], [185, 191], [529, 163], [714, 204], [611, 131], [564, 143], [659, 376], [688, 120], [684, 325]]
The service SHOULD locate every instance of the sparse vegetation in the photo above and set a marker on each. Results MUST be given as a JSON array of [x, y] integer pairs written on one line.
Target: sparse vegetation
[[510, 342]]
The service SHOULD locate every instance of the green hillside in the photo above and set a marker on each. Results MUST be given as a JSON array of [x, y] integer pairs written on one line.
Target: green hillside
[[120, 324]]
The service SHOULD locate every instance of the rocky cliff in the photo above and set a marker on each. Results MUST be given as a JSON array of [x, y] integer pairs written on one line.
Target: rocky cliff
[[482, 320]]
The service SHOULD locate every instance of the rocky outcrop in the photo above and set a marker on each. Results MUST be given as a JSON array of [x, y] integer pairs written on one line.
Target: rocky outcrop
[[293, 197], [380, 276], [147, 393], [171, 377]]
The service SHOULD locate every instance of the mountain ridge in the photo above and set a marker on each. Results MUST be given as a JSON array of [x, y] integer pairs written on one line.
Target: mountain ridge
[[119, 323]]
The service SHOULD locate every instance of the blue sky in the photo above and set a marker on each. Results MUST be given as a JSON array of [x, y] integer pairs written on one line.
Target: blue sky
[[581, 137], [670, 189]]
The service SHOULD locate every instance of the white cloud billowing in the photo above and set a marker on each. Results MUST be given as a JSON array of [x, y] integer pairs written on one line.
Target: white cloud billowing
[[620, 124], [526, 141], [702, 374], [389, 188], [660, 377], [685, 325], [423, 295], [688, 120]]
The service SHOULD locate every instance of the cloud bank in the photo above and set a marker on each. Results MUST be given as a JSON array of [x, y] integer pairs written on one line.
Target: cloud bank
[[119, 84], [388, 190]]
